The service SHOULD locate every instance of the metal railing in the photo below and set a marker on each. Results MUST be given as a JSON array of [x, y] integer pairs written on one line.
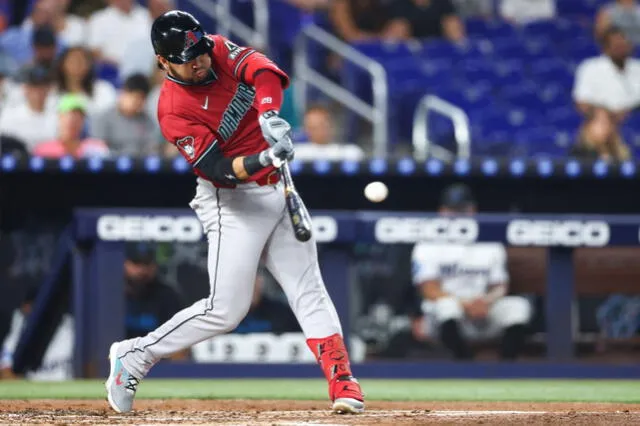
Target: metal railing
[[305, 76], [228, 24], [423, 146]]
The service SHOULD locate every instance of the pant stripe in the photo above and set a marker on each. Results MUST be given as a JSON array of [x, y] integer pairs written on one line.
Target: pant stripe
[[213, 289]]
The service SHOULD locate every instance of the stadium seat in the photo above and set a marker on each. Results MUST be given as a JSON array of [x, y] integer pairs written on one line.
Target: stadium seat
[[384, 51], [489, 28]]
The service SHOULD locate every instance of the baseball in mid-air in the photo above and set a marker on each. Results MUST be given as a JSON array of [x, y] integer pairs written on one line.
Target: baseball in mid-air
[[376, 192]]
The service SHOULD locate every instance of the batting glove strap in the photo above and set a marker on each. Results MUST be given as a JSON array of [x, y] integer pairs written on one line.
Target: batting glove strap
[[274, 128]]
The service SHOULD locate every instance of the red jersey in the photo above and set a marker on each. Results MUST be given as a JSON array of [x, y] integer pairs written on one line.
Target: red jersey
[[223, 112]]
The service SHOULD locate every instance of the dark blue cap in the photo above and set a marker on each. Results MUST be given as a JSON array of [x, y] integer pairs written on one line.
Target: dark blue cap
[[457, 197], [141, 252]]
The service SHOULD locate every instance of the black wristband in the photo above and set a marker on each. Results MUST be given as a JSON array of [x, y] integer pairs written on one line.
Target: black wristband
[[252, 164]]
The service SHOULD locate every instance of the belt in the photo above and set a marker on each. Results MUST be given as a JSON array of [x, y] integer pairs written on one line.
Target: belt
[[269, 179]]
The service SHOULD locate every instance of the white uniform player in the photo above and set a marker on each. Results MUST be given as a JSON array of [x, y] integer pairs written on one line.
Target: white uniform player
[[464, 288]]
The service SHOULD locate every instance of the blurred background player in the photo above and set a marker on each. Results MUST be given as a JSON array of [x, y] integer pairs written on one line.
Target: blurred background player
[[150, 302], [464, 288]]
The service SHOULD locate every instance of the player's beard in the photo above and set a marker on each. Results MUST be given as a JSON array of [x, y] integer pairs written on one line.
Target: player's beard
[[196, 76]]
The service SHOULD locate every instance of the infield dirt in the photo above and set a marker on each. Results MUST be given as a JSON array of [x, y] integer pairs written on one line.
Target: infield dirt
[[281, 412]]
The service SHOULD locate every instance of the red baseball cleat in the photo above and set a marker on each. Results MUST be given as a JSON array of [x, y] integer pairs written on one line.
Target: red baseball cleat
[[346, 395]]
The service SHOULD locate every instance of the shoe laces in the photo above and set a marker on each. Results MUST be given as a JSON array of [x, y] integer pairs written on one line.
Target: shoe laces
[[132, 384]]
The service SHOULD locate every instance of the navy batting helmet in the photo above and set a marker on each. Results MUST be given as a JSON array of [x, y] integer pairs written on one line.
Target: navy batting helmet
[[179, 37]]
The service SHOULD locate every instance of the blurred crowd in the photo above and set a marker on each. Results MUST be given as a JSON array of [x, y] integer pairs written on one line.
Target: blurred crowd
[[80, 86], [80, 78]]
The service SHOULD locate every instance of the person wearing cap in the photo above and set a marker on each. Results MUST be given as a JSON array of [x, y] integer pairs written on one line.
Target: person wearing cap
[[464, 289], [31, 121], [126, 128], [71, 123], [149, 301]]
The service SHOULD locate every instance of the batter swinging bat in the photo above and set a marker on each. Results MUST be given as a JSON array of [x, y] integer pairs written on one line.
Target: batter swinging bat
[[297, 211]]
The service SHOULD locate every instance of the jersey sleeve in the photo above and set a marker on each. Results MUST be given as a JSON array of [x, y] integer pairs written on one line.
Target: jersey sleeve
[[498, 273], [425, 263], [244, 62], [193, 140]]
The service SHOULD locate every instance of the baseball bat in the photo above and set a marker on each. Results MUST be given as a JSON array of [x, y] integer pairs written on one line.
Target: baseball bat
[[298, 213]]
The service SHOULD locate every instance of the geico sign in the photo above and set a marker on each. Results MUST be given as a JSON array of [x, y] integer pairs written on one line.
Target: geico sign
[[411, 230], [325, 228], [153, 228], [570, 233]]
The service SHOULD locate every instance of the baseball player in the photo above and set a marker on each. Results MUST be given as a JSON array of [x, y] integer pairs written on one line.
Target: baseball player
[[464, 288], [219, 106]]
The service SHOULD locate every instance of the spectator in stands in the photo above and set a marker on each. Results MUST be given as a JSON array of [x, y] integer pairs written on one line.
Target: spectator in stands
[[606, 91], [464, 289], [311, 5], [75, 74], [45, 47], [8, 86], [31, 121], [525, 11], [18, 42], [427, 19], [71, 29], [474, 8], [113, 28], [622, 14], [358, 20], [127, 128], [267, 314], [141, 58], [71, 123], [319, 128], [149, 301], [151, 109]]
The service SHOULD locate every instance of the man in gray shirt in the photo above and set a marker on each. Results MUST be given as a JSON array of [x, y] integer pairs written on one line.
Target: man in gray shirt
[[126, 128]]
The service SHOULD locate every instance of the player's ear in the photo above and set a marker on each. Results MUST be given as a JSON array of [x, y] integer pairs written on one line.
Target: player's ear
[[160, 60]]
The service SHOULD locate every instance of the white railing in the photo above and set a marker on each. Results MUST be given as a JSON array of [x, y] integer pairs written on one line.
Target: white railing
[[228, 24], [305, 76], [423, 146]]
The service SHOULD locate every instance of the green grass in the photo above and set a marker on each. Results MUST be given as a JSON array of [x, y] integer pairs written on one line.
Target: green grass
[[626, 391]]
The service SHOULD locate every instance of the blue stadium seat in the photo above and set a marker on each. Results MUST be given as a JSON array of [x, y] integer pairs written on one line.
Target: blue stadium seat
[[539, 49], [554, 95], [540, 140], [556, 29], [578, 8], [474, 71], [565, 117], [521, 95], [384, 51], [579, 48], [551, 70], [488, 28], [508, 71], [508, 48]]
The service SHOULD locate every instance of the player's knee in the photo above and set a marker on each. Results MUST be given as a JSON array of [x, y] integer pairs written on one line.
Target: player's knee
[[228, 318], [515, 310], [448, 308]]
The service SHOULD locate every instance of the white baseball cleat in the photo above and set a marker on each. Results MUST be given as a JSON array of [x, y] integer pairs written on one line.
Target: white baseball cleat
[[121, 385]]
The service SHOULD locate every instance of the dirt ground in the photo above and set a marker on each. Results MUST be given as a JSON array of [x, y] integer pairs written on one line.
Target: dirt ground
[[272, 413]]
